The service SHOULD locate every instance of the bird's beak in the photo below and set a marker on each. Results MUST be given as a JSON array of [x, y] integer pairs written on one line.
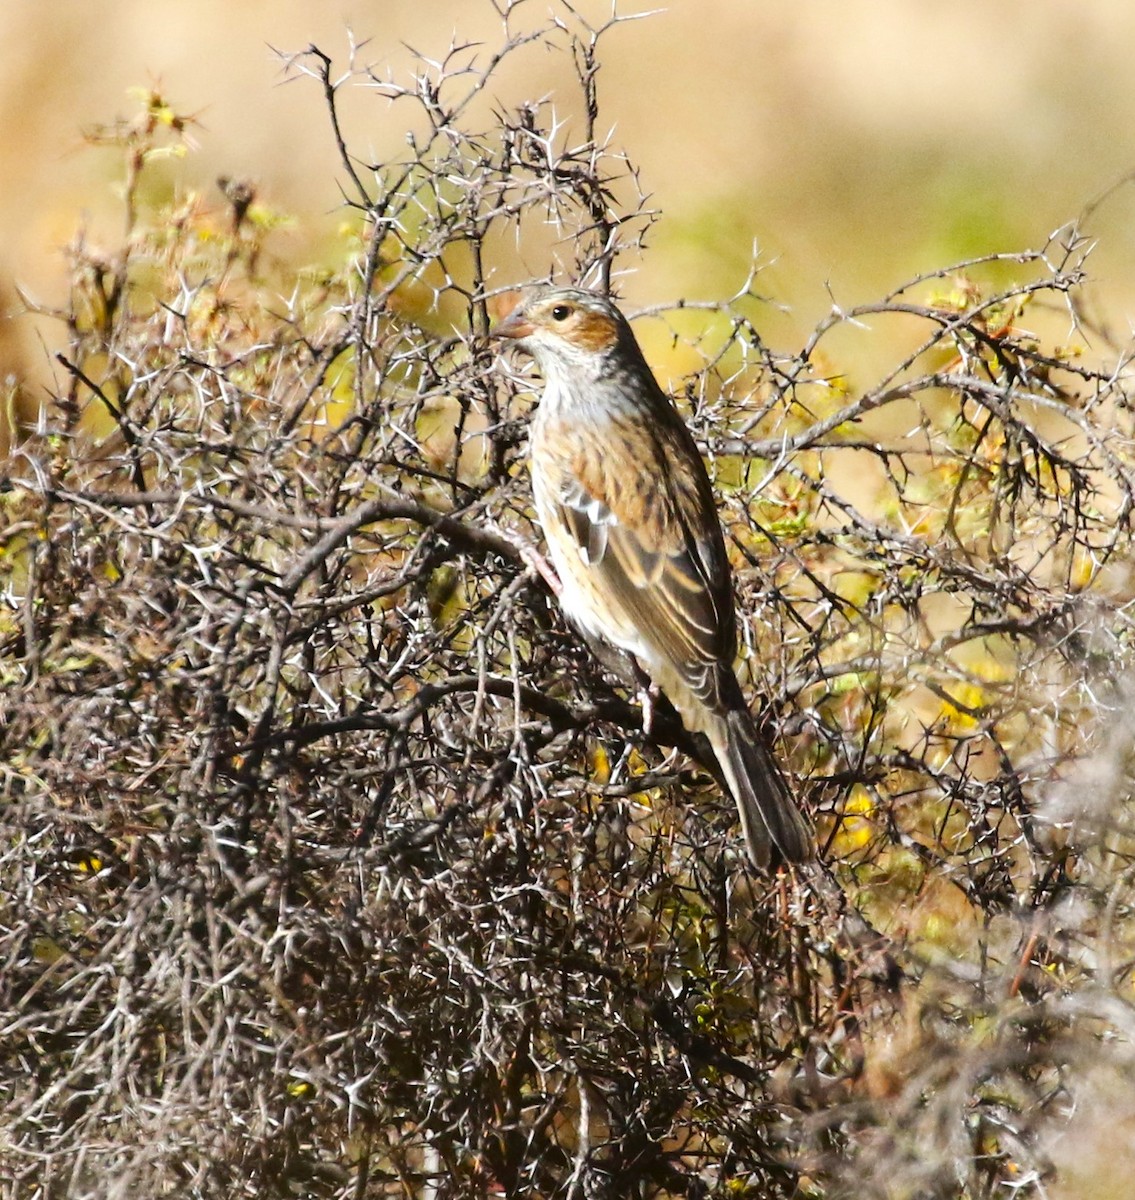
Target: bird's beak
[[515, 325]]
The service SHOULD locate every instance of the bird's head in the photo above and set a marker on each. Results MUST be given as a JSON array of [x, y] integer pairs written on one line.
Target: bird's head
[[567, 330]]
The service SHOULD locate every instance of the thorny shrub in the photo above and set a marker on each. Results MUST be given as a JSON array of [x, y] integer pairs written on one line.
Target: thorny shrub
[[332, 863]]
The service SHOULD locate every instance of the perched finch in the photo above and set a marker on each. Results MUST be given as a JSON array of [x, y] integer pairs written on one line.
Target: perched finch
[[629, 515]]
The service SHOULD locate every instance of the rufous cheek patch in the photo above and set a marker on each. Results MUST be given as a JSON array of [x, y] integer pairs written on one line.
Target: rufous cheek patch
[[593, 331]]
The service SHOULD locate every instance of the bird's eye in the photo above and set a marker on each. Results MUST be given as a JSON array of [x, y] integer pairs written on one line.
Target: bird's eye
[[561, 312]]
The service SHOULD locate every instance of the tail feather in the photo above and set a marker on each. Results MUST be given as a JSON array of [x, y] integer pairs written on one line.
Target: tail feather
[[770, 819]]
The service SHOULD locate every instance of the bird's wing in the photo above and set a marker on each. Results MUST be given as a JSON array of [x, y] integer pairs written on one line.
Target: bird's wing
[[651, 542]]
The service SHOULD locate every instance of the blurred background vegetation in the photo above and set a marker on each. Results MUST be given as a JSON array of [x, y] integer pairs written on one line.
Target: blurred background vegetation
[[855, 144]]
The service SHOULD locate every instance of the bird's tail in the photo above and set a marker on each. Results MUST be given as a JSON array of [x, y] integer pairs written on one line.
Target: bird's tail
[[770, 819]]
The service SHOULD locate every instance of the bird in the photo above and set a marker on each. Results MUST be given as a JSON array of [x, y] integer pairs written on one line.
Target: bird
[[629, 516]]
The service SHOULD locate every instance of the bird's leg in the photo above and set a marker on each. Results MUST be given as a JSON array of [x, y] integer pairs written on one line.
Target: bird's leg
[[533, 560], [539, 565], [648, 694]]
